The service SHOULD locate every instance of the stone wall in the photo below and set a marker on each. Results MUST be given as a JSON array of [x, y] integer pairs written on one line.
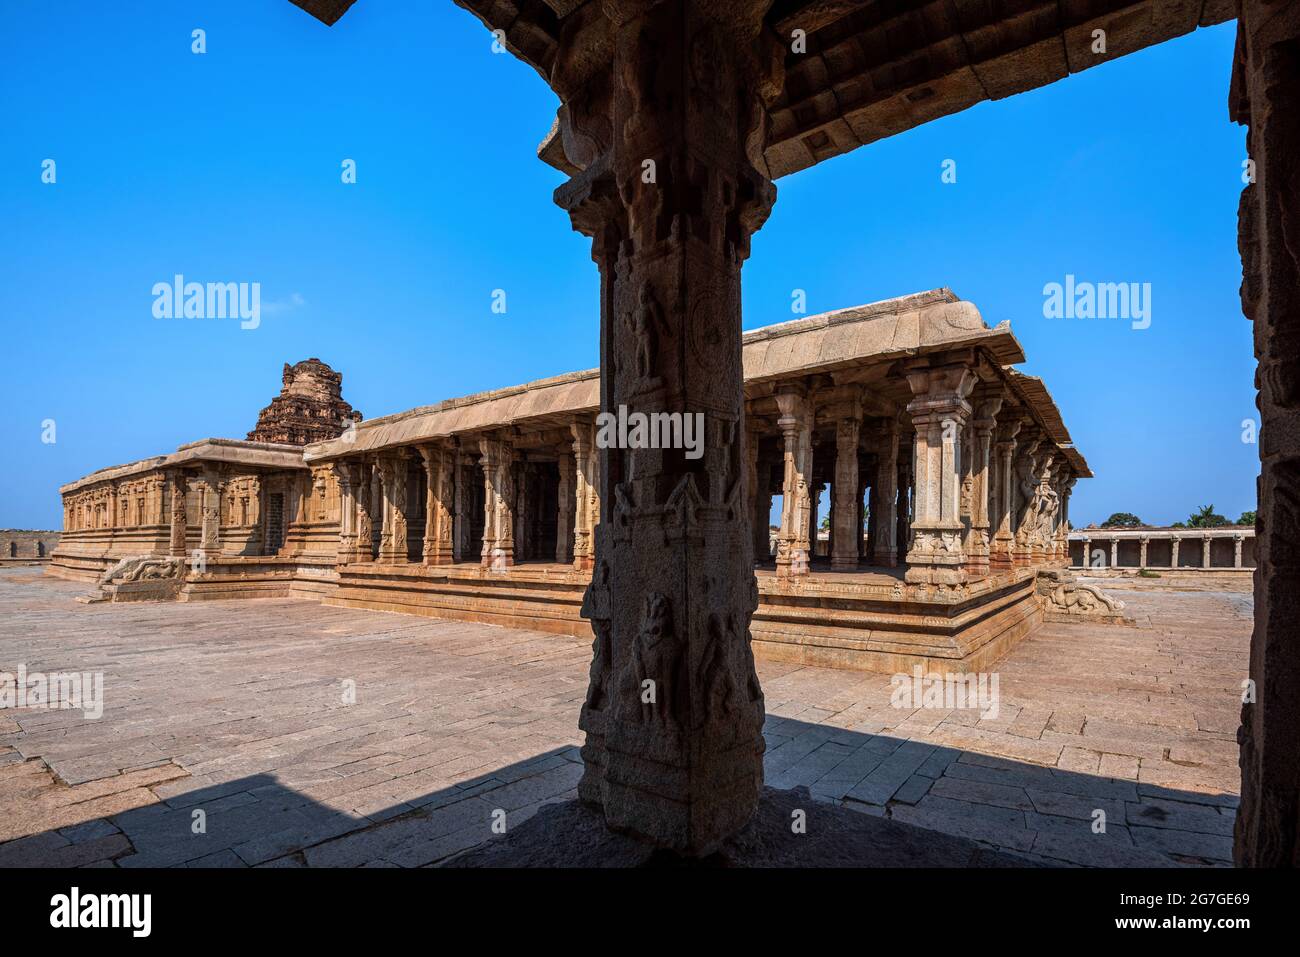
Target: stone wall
[[24, 545]]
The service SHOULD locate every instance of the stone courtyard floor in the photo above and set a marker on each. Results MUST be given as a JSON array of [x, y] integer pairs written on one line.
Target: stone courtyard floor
[[284, 733]]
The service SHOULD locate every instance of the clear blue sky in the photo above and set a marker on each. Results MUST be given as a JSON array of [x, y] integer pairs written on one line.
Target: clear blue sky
[[225, 167]]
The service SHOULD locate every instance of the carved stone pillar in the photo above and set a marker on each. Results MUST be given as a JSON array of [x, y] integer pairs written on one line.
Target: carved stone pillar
[[1205, 551], [393, 549], [939, 413], [461, 531], [1026, 467], [752, 435], [1173, 551], [793, 550], [524, 520], [846, 539], [1067, 487], [1142, 551], [906, 495], [671, 182], [210, 534], [586, 492], [176, 483], [1086, 561], [439, 485], [978, 544], [498, 463], [1002, 546], [345, 474], [1236, 551], [814, 519], [885, 543], [566, 504]]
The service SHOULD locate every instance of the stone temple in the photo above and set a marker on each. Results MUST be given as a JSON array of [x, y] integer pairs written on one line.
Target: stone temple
[[977, 514], [944, 475]]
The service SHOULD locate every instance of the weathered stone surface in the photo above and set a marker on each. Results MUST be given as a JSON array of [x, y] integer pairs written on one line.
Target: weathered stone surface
[[413, 772], [309, 408], [835, 837]]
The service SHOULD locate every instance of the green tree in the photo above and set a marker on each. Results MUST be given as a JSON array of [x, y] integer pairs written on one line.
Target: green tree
[[1247, 518], [1206, 517], [1122, 520]]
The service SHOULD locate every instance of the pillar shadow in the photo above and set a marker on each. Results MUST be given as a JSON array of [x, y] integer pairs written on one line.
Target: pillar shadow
[[1018, 812]]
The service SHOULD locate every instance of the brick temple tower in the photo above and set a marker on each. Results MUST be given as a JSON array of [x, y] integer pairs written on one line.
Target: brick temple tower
[[309, 408]]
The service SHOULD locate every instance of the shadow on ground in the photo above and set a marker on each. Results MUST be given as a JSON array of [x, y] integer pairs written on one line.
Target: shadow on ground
[[875, 800]]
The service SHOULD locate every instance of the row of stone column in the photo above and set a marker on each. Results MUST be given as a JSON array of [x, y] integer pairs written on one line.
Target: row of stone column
[[1174, 543], [375, 494], [988, 490]]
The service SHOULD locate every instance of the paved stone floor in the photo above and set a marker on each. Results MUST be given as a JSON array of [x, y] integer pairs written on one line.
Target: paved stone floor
[[282, 733]]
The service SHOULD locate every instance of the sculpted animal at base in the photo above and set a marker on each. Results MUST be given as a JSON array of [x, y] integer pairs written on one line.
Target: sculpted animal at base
[[1070, 597], [141, 568]]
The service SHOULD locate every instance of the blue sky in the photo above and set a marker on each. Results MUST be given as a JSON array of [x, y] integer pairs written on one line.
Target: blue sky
[[226, 167]]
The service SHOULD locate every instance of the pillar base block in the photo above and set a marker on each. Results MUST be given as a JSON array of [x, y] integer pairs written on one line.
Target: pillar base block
[[791, 561], [499, 559]]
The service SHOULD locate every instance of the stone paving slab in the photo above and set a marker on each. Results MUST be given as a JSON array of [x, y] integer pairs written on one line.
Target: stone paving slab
[[319, 736]]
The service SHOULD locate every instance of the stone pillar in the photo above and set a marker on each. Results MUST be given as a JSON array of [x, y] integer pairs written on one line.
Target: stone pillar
[[498, 461], [1027, 468], [461, 530], [439, 484], [210, 534], [939, 412], [1087, 560], [392, 476], [846, 539], [793, 550], [345, 474], [903, 529], [1205, 551], [1063, 523], [1236, 551], [762, 515], [814, 519], [1002, 546], [1114, 553], [1173, 551], [179, 523], [1142, 548], [523, 518], [586, 492], [566, 505], [885, 543], [674, 713], [1264, 95], [978, 558]]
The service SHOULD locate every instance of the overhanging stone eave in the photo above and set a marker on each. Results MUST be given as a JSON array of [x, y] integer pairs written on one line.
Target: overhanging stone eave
[[916, 324], [262, 455]]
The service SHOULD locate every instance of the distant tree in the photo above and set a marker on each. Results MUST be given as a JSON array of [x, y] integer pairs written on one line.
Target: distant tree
[[1206, 517], [1247, 518], [1122, 520], [826, 522]]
